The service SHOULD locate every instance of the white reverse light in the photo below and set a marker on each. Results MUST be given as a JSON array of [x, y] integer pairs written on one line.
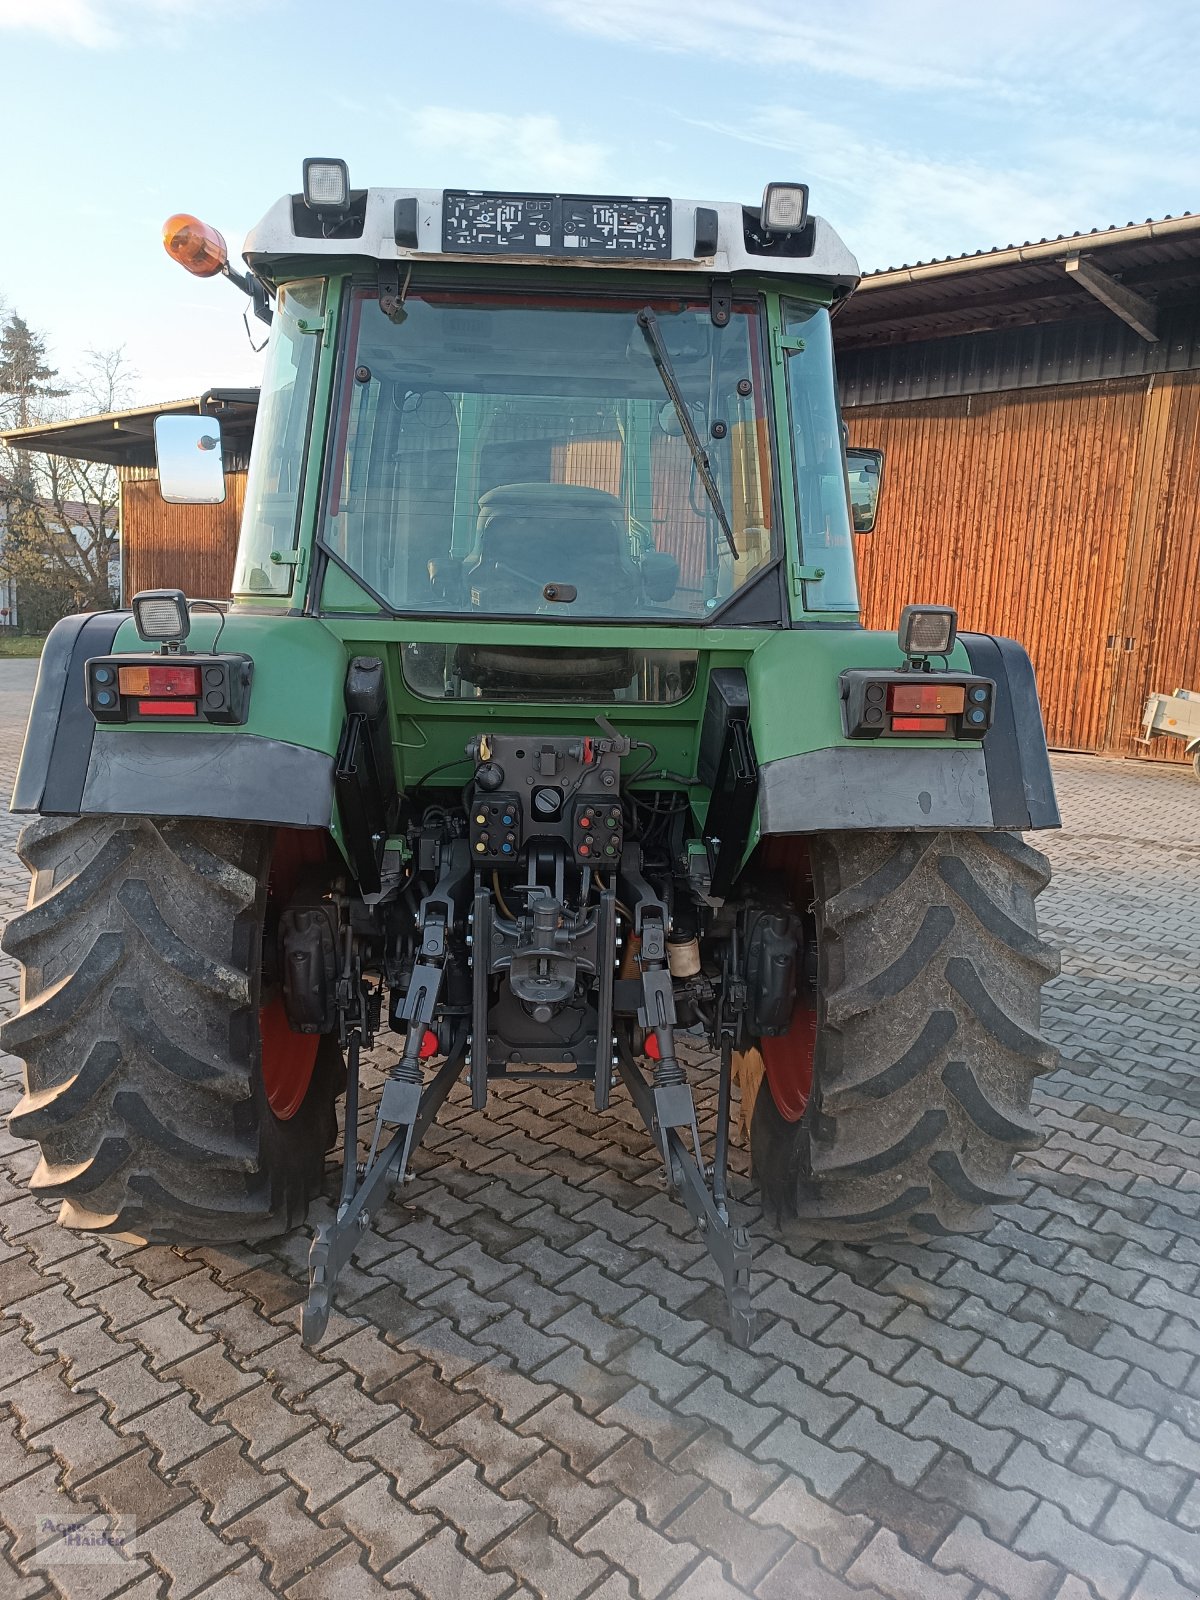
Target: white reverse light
[[161, 616], [326, 184], [784, 207], [928, 630]]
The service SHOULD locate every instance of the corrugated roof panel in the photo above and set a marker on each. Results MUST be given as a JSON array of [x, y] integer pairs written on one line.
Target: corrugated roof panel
[[1068, 241], [1029, 357]]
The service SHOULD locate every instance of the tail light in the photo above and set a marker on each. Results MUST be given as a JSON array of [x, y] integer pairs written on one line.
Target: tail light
[[915, 706], [200, 688], [927, 699], [159, 681]]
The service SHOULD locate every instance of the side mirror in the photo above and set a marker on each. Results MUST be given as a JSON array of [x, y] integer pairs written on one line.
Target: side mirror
[[191, 468], [864, 469]]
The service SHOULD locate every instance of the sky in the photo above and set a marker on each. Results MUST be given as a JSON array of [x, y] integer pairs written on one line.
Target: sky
[[924, 128]]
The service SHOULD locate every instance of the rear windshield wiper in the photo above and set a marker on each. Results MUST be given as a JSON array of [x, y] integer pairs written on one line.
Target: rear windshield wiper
[[652, 334]]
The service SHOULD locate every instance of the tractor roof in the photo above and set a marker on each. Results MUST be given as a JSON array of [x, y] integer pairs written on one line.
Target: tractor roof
[[414, 225]]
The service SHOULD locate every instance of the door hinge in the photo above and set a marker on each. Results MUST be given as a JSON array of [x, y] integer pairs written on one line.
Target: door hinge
[[801, 575], [784, 344], [292, 558]]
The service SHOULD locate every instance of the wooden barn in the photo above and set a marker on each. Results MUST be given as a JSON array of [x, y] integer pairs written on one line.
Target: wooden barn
[[1039, 407]]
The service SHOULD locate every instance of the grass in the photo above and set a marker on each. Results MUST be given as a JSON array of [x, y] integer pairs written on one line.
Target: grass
[[21, 644]]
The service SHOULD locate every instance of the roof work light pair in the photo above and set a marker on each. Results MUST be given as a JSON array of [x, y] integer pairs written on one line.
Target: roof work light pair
[[327, 190]]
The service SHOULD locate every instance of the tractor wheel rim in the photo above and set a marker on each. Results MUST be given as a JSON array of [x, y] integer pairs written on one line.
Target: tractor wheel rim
[[788, 1059], [288, 1060]]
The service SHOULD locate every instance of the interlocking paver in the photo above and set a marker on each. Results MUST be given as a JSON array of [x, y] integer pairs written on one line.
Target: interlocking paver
[[887, 1564], [658, 1491], [228, 1482], [1109, 1568], [372, 1513], [463, 1499], [438, 1570], [742, 1421], [481, 1436], [570, 1502], [550, 1568], [968, 1549], [637, 1548], [906, 1458], [187, 1550], [919, 1523]]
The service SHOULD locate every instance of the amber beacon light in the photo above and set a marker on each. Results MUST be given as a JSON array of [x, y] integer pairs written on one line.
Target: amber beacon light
[[196, 246]]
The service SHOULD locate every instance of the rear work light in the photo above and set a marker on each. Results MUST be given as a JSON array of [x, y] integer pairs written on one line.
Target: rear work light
[[914, 705]]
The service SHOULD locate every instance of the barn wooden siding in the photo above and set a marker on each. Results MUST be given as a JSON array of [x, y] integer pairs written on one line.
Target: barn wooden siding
[[178, 547], [1063, 516]]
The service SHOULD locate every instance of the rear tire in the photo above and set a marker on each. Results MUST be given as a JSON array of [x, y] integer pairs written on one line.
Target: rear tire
[[929, 977], [139, 1024]]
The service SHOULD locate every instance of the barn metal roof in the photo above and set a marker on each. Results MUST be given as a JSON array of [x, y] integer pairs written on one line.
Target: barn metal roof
[[1022, 285], [126, 438]]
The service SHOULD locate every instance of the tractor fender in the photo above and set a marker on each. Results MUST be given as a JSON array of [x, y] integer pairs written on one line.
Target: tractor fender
[[69, 767], [1002, 783]]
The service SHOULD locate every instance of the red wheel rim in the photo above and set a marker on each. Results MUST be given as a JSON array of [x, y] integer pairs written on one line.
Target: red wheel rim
[[788, 1061], [288, 1058]]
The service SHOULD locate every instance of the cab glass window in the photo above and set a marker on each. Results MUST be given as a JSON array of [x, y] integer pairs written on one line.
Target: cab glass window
[[520, 455], [818, 458], [272, 509]]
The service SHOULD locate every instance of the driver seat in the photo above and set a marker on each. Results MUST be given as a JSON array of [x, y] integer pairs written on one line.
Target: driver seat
[[532, 534]]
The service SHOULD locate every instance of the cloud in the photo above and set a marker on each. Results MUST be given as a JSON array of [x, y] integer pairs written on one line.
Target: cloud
[[896, 205], [1025, 51], [499, 148], [90, 24]]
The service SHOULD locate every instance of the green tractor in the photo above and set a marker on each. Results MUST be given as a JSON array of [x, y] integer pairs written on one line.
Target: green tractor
[[540, 729]]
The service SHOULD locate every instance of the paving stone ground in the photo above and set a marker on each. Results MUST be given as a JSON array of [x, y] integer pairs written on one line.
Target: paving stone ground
[[526, 1390]]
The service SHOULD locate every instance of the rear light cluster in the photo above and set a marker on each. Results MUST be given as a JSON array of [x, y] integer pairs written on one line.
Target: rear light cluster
[[916, 706], [204, 689]]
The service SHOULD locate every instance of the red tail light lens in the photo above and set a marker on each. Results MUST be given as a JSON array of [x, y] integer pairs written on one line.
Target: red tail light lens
[[927, 698], [159, 680], [920, 724], [166, 708]]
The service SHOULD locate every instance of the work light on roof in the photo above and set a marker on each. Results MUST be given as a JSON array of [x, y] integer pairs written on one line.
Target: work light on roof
[[326, 185], [784, 207]]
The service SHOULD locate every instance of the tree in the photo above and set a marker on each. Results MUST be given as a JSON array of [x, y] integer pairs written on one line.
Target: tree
[[59, 514], [26, 382]]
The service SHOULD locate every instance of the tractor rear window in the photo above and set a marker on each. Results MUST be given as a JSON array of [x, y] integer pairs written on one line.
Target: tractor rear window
[[550, 675], [526, 456]]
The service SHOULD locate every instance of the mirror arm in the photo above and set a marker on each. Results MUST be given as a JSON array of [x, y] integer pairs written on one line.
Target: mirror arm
[[252, 286]]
